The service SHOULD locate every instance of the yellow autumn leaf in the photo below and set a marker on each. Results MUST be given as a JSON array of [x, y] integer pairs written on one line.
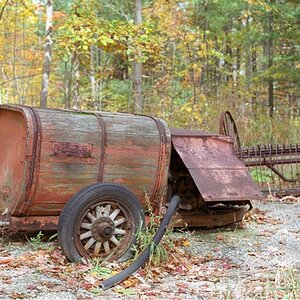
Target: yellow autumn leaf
[[186, 243]]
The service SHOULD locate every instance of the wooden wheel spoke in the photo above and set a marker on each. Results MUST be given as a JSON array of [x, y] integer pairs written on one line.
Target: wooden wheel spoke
[[114, 213], [86, 226], [106, 247], [89, 244], [97, 248], [115, 241], [120, 231], [98, 211], [119, 221], [106, 210], [91, 217], [85, 235]]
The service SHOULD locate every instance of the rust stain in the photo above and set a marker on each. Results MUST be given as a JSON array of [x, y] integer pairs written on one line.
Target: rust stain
[[18, 224]]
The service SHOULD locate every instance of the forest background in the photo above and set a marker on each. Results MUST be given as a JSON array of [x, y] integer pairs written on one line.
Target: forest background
[[183, 61]]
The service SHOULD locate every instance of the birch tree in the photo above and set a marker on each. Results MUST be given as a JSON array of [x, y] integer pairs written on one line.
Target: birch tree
[[47, 55], [137, 67]]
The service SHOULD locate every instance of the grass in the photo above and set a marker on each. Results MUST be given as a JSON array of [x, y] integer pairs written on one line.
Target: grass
[[97, 267], [159, 253], [285, 286], [284, 283], [37, 242]]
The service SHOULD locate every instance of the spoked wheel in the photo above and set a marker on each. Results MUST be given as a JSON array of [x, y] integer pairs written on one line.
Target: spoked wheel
[[228, 127], [100, 221]]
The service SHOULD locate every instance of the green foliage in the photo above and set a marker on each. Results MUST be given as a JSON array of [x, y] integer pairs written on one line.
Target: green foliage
[[83, 29], [199, 58], [262, 175], [37, 241], [97, 268], [115, 97]]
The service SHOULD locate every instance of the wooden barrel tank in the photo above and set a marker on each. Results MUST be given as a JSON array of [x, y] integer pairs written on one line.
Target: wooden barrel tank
[[48, 155]]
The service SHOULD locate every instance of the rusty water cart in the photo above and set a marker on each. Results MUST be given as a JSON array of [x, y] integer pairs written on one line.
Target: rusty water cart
[[91, 175]]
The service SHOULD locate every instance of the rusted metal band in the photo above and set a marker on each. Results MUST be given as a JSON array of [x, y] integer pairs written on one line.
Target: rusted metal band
[[222, 123], [161, 159], [226, 124], [35, 160], [103, 146]]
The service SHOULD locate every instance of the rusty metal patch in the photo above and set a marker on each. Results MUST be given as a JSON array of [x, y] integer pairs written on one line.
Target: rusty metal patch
[[66, 149], [217, 172]]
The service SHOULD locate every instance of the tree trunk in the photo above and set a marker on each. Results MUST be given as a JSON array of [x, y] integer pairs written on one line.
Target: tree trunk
[[270, 65], [254, 70], [93, 80], [76, 76], [137, 67], [238, 60], [47, 55]]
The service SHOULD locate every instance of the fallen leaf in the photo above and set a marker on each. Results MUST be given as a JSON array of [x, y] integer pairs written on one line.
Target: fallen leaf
[[7, 280], [130, 282], [5, 260], [220, 237], [151, 293], [95, 291], [182, 285], [17, 296], [125, 291], [86, 285], [113, 272], [31, 287], [182, 291]]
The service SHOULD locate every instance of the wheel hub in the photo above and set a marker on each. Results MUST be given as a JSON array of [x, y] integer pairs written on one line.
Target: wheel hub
[[103, 228]]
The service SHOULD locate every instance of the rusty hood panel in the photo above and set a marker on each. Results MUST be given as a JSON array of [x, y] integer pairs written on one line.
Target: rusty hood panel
[[218, 174]]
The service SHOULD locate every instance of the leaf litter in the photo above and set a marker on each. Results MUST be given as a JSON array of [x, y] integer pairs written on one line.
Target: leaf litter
[[257, 258]]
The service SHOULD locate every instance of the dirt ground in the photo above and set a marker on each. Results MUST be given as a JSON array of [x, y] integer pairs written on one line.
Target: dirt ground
[[258, 258]]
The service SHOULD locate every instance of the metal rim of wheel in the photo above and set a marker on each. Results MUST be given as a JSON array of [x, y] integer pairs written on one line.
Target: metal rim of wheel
[[228, 127], [104, 229]]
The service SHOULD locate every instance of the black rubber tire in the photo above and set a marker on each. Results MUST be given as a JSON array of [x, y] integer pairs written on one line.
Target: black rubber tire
[[92, 196]]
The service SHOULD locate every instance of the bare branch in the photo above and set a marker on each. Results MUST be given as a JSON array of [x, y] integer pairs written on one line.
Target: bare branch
[[2, 10], [120, 13], [20, 77]]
